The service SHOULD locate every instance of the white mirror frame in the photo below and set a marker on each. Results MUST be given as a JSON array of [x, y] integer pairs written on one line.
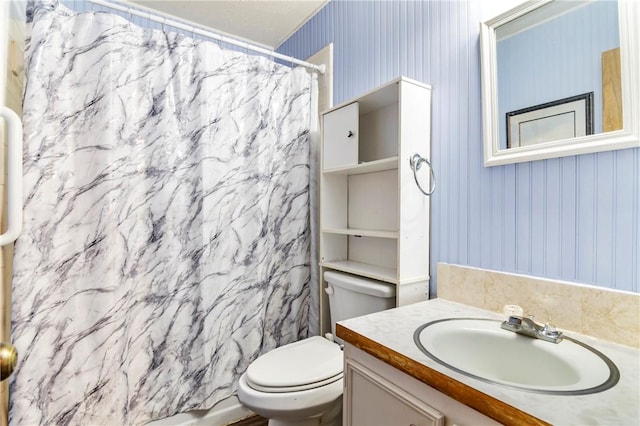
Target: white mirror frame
[[627, 137]]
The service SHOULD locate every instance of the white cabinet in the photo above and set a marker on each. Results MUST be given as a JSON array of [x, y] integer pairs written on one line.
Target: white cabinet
[[376, 394], [374, 221], [375, 401], [341, 137]]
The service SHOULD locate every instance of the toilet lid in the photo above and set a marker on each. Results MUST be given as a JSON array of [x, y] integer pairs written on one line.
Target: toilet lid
[[301, 365]]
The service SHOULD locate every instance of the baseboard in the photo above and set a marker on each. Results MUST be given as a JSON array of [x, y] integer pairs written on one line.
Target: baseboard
[[226, 411]]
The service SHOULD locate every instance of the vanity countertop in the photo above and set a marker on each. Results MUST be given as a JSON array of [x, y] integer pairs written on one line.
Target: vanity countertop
[[388, 336]]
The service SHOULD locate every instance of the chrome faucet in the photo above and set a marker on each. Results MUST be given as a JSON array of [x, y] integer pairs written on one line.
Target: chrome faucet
[[528, 327]]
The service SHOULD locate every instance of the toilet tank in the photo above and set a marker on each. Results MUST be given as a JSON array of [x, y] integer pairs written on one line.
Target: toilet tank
[[351, 296]]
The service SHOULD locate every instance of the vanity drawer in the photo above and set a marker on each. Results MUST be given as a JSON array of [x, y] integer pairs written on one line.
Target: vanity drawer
[[374, 401], [377, 394]]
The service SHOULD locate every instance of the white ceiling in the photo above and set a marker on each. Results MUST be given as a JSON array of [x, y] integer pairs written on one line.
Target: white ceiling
[[264, 22]]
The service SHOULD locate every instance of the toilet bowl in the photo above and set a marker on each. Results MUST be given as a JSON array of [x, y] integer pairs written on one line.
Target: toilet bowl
[[301, 383]]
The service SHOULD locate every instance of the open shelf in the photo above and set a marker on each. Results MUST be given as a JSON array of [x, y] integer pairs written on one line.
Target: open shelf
[[364, 269], [362, 232], [369, 167]]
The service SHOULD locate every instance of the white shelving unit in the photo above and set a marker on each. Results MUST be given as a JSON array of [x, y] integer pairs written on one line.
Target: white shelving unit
[[374, 221]]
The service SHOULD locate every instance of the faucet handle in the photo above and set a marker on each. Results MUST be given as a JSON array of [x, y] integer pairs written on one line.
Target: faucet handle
[[515, 320], [551, 330]]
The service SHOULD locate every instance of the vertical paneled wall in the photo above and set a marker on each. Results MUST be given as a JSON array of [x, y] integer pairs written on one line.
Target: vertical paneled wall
[[143, 22], [574, 218], [557, 59]]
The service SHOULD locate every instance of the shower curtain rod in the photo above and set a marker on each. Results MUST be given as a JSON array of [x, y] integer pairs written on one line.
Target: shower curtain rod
[[185, 25]]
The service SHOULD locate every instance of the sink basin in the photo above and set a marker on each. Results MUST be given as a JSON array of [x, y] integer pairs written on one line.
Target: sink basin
[[479, 348]]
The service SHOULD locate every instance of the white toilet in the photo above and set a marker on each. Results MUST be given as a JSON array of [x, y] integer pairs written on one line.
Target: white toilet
[[301, 383]]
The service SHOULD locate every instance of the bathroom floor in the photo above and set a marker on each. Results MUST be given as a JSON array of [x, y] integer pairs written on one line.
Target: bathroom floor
[[251, 421]]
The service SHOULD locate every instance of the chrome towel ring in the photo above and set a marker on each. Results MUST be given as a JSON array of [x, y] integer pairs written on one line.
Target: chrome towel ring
[[415, 161]]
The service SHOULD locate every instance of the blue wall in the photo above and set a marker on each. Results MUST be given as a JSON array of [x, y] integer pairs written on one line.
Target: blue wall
[[574, 218], [82, 6], [557, 59]]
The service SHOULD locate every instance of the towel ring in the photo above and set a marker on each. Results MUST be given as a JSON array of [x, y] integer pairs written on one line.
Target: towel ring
[[415, 161]]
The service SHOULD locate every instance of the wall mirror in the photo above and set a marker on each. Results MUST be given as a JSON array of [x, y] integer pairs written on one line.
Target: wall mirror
[[560, 78]]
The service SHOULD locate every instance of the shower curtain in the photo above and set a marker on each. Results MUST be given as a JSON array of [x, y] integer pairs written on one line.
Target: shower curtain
[[166, 231]]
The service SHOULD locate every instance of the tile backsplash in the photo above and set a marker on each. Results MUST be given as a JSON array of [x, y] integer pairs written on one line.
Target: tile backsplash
[[599, 312]]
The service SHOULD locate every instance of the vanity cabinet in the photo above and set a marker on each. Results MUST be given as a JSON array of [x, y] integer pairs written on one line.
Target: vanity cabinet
[[377, 394], [374, 221]]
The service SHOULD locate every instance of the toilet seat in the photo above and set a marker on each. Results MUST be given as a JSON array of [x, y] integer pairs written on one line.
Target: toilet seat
[[299, 405], [299, 366], [283, 389]]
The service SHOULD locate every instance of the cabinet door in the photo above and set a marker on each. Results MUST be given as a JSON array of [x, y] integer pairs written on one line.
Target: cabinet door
[[340, 137], [373, 401]]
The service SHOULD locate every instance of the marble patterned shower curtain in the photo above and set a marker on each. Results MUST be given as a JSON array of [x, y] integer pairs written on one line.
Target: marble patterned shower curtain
[[166, 234]]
